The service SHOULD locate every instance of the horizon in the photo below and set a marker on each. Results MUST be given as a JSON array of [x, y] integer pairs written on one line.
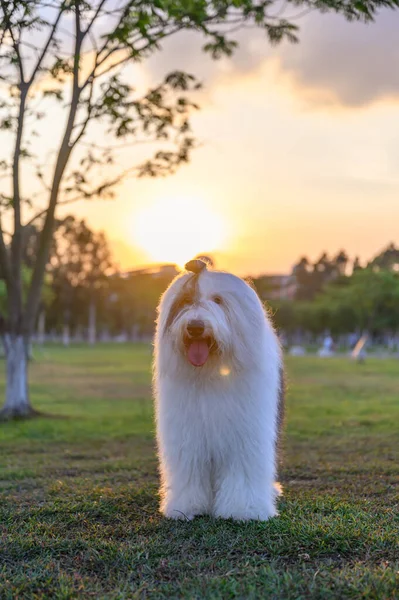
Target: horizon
[[160, 264]]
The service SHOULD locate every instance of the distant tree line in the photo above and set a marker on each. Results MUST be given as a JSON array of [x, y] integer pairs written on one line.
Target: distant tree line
[[341, 296], [86, 296]]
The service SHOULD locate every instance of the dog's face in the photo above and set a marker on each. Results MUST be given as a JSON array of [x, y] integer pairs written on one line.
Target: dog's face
[[209, 319]]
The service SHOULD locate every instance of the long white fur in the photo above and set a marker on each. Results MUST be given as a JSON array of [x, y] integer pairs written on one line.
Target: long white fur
[[217, 424]]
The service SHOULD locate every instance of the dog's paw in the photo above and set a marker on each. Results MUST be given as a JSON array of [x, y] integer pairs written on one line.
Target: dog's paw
[[174, 513], [260, 513], [185, 506]]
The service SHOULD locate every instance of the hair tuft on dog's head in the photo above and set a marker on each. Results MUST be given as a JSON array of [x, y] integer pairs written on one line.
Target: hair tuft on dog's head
[[195, 266]]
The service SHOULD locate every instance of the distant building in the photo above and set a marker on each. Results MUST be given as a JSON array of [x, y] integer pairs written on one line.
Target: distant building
[[154, 271], [276, 287], [133, 297]]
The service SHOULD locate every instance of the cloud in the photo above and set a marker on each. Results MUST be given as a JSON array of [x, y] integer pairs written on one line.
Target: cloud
[[184, 51], [355, 62], [352, 64]]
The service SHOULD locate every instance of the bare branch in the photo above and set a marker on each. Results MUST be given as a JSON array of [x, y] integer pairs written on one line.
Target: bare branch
[[99, 7], [43, 212], [47, 44], [99, 190], [84, 196], [15, 42], [36, 217], [111, 147], [66, 32]]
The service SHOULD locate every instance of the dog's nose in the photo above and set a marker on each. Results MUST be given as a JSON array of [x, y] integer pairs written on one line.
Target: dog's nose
[[195, 328]]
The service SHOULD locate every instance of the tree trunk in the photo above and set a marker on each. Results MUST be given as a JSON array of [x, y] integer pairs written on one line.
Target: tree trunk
[[17, 398], [29, 350], [92, 324], [41, 328]]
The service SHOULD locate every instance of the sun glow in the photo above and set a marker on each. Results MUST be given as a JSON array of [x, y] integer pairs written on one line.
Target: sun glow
[[175, 229]]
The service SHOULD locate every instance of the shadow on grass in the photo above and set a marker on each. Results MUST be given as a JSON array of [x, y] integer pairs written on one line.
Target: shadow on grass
[[12, 416]]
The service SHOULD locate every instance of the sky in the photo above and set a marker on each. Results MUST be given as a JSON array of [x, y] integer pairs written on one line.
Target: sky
[[298, 153]]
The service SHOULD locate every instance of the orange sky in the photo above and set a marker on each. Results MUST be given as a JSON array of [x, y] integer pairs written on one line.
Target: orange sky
[[298, 154], [278, 173]]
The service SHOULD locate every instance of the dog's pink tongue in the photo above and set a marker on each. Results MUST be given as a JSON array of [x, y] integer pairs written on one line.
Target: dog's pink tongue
[[198, 353]]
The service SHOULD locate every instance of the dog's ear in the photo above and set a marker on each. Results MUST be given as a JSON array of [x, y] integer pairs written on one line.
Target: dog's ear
[[195, 266]]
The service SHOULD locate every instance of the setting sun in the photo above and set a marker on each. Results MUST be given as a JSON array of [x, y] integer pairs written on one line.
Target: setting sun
[[174, 229]]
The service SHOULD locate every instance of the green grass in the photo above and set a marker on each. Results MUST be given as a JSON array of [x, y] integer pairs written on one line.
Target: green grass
[[78, 491]]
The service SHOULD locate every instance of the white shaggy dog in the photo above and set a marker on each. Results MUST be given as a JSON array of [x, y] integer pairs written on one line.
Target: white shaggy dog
[[218, 388]]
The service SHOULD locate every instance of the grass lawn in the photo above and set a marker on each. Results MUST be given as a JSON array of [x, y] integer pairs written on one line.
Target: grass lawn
[[78, 491]]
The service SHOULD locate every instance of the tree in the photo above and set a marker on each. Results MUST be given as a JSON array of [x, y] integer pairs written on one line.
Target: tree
[[387, 259], [47, 297], [367, 301], [302, 272], [356, 264], [73, 52], [133, 298], [341, 262], [312, 278], [80, 263]]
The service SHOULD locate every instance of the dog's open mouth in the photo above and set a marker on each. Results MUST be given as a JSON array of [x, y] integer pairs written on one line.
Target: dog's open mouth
[[199, 349]]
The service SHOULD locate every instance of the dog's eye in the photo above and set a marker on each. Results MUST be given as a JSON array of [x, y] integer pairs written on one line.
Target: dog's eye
[[217, 300]]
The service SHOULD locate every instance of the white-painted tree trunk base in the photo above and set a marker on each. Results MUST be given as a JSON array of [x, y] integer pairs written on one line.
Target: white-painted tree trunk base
[[66, 338], [17, 402]]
